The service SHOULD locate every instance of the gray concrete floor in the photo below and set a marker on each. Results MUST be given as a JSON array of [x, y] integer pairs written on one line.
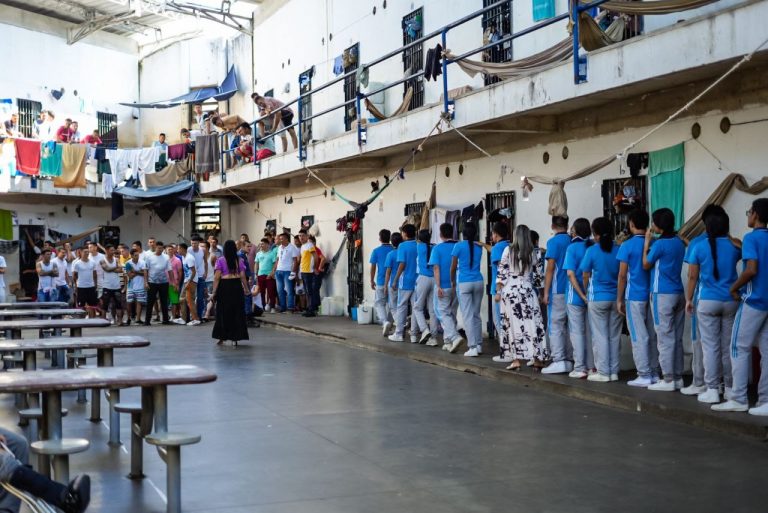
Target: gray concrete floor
[[296, 424]]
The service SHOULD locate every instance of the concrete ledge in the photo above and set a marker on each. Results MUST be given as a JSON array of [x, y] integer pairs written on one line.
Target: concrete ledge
[[674, 407]]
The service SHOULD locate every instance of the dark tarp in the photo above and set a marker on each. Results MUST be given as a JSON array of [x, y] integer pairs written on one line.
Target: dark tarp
[[225, 91], [163, 200]]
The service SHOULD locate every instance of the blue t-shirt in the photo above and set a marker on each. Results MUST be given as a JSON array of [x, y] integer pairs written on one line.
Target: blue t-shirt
[[391, 264], [556, 247], [497, 251], [441, 258], [573, 257], [638, 279], [667, 255], [467, 273], [406, 253], [728, 256], [422, 267], [755, 247], [605, 273], [692, 244], [379, 257]]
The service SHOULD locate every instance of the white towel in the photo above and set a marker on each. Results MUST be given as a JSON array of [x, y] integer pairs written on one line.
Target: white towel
[[107, 185]]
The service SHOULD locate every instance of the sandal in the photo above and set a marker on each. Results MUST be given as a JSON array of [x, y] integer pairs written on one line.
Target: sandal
[[514, 366]]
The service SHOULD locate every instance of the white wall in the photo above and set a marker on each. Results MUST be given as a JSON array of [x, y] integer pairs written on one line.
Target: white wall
[[103, 74], [740, 150]]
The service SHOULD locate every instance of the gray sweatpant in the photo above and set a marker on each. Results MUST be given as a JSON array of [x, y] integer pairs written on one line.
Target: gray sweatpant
[[8, 464], [557, 328], [669, 323], [697, 358], [422, 300], [446, 309], [381, 304], [401, 314], [645, 352], [605, 326], [749, 327], [470, 301], [715, 327], [392, 303], [583, 358]]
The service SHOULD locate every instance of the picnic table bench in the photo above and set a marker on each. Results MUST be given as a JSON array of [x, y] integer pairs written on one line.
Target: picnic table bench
[[153, 380], [75, 326], [32, 304], [41, 312]]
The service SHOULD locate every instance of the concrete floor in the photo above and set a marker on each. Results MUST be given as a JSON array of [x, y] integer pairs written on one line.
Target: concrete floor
[[296, 424]]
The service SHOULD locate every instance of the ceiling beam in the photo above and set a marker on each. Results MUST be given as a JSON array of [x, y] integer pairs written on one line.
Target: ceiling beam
[[220, 16], [85, 29]]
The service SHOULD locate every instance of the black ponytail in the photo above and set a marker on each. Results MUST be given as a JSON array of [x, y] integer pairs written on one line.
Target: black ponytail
[[470, 235], [717, 226], [602, 227]]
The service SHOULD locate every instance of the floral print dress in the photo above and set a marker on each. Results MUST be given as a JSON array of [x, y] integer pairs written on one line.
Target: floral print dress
[[522, 325]]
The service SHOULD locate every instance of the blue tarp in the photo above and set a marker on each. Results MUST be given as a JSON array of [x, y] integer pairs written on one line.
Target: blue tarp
[[225, 91]]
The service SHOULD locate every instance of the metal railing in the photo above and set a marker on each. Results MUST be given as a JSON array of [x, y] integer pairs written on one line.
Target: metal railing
[[579, 74]]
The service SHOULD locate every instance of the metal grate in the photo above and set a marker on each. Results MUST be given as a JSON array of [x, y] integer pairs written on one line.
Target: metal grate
[[29, 111], [355, 275], [350, 85], [618, 214], [305, 86], [496, 201], [206, 216], [107, 126], [496, 24], [413, 59], [414, 208]]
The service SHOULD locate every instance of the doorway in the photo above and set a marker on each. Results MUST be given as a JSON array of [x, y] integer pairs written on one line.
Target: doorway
[[500, 207], [31, 238]]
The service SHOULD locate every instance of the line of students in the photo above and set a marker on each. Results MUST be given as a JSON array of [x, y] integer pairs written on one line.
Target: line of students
[[590, 282]]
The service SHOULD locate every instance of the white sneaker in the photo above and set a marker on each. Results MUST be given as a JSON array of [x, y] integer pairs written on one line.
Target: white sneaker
[[711, 396], [385, 328], [479, 349], [577, 374], [446, 347], [394, 337], [472, 352], [432, 343], [679, 384], [761, 411], [456, 344], [194, 322], [178, 320], [503, 359], [640, 382], [655, 379], [424, 337], [728, 393], [614, 377], [731, 406], [560, 367], [663, 386], [693, 390], [599, 378], [414, 340]]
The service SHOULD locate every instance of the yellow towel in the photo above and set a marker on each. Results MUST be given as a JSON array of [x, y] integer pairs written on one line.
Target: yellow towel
[[72, 167]]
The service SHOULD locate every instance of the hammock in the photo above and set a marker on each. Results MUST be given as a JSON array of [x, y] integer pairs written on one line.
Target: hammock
[[402, 109], [592, 37], [693, 226], [654, 6]]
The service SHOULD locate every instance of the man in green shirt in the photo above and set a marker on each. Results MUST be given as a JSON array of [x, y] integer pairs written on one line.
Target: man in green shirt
[[264, 268]]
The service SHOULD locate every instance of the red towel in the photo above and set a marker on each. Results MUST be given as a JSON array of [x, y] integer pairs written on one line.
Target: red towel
[[28, 156]]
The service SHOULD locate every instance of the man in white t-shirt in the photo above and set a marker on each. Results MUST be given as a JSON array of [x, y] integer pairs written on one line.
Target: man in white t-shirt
[[158, 278], [111, 296], [97, 259], [2, 279], [136, 293], [62, 281], [285, 272], [201, 270], [189, 289], [46, 272], [86, 280]]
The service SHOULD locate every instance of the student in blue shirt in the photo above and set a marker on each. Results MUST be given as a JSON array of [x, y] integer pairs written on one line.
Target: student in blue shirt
[[378, 263], [555, 281], [698, 385], [422, 295], [576, 299], [445, 295], [405, 282], [751, 324], [633, 301], [600, 272], [665, 257], [391, 266], [711, 272], [467, 257]]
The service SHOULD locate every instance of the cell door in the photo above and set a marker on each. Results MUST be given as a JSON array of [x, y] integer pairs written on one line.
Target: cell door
[[499, 206], [355, 275], [351, 62]]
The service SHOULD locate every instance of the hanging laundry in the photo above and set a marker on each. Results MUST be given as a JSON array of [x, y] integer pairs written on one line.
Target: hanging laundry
[[666, 172], [72, 167], [636, 162], [6, 224], [433, 66], [146, 159], [453, 217], [27, 156], [177, 151], [107, 186], [558, 201], [207, 154], [543, 9], [436, 218], [338, 65], [117, 206], [8, 158], [361, 77], [50, 159], [412, 26], [91, 172]]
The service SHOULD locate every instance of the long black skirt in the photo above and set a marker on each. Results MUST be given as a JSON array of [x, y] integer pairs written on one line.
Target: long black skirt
[[230, 312]]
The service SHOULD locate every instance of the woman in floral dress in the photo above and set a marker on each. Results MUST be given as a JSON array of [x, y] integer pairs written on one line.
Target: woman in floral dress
[[522, 335]]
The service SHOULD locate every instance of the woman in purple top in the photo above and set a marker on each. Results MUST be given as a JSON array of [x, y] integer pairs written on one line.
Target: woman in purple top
[[229, 290]]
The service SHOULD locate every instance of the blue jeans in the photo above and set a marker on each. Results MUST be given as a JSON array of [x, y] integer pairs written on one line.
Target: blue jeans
[[44, 297], [285, 290], [62, 294], [200, 297]]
